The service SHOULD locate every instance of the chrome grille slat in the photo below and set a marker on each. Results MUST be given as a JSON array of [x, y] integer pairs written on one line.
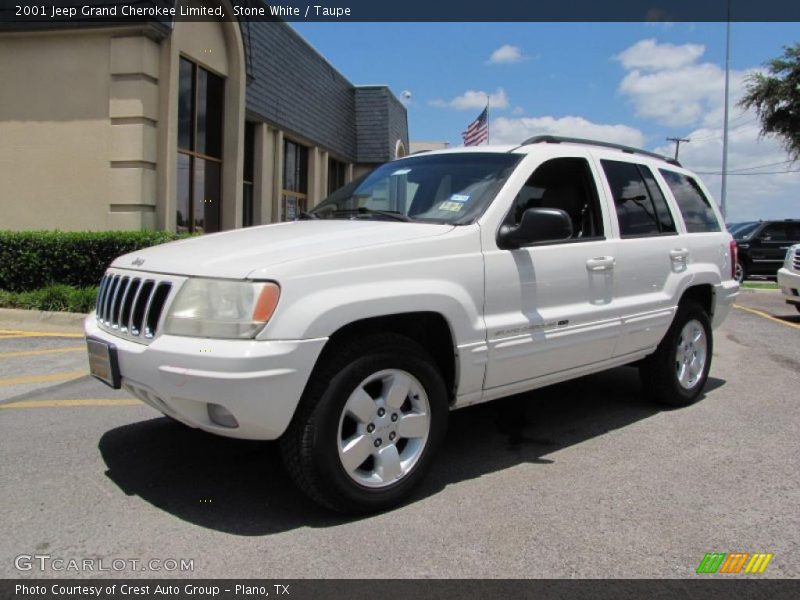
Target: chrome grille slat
[[116, 309], [101, 294], [127, 307], [109, 295], [131, 305]]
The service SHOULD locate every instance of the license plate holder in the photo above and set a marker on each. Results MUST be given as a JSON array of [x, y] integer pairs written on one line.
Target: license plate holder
[[103, 363]]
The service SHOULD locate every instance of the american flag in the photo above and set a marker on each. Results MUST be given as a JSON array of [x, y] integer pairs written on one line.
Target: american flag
[[478, 131]]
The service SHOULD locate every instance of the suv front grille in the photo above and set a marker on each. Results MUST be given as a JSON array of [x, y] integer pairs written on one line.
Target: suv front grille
[[796, 260], [131, 305]]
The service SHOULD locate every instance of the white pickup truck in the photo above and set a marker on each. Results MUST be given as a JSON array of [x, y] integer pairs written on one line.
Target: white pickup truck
[[438, 281]]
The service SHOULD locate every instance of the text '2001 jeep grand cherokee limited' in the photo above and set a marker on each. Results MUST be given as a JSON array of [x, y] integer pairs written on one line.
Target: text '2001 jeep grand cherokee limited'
[[438, 281]]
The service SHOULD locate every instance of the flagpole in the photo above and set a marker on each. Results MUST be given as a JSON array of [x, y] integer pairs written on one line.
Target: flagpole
[[488, 129]]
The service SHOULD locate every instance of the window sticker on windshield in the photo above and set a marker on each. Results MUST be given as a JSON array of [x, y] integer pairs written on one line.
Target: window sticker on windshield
[[451, 206], [401, 172], [459, 197]]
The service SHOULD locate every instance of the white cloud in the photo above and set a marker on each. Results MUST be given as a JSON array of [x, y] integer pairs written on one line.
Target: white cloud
[[652, 56], [749, 196], [518, 111], [670, 85], [513, 131], [506, 54], [474, 99]]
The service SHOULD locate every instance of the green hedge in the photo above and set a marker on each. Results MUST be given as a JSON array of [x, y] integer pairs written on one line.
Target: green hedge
[[55, 297], [30, 260]]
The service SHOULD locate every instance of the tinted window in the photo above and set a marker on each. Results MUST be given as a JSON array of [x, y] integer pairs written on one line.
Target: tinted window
[[695, 207], [665, 221], [636, 213], [776, 232], [565, 183]]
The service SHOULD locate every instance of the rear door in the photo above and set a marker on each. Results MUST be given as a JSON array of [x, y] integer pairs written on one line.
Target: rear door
[[651, 259], [769, 247]]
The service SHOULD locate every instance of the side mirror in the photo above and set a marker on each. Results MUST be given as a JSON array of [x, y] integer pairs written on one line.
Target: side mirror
[[536, 225]]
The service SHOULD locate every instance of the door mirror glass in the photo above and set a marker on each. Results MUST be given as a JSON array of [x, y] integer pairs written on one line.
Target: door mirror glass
[[536, 225]]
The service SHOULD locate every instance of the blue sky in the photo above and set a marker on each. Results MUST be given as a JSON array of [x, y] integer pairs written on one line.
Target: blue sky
[[635, 83]]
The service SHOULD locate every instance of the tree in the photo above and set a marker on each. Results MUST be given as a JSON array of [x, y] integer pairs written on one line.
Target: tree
[[775, 96]]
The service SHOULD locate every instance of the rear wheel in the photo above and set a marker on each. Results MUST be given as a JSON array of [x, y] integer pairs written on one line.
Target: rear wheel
[[677, 371], [741, 271], [371, 419]]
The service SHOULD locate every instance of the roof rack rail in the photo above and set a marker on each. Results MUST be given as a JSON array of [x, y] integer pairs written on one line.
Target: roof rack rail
[[556, 139]]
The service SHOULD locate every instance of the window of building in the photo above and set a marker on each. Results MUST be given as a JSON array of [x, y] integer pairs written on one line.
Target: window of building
[[248, 199], [295, 180], [568, 184], [692, 202], [199, 178], [640, 205], [337, 171]]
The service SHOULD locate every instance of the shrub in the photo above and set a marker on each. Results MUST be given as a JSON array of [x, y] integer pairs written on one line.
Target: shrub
[[30, 260], [57, 297]]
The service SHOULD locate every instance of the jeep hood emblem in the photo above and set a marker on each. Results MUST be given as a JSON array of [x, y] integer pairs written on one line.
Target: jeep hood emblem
[[137, 262]]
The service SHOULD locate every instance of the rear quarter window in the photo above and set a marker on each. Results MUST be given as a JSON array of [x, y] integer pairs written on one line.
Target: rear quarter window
[[692, 202]]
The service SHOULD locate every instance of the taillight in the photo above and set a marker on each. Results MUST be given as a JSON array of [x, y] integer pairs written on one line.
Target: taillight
[[734, 257]]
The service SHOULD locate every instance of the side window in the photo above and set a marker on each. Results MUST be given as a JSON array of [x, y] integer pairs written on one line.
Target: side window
[[695, 207], [775, 232], [641, 207], [568, 184], [665, 220]]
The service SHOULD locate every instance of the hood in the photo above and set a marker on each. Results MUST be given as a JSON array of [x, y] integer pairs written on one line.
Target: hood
[[235, 254]]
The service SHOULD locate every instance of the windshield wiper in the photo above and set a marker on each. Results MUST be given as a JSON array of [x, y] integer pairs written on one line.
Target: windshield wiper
[[363, 210], [304, 216]]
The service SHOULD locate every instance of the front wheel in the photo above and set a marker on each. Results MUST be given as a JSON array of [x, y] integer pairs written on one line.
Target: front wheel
[[372, 417], [677, 371]]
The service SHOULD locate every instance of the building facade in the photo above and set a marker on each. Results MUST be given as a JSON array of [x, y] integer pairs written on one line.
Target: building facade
[[190, 126]]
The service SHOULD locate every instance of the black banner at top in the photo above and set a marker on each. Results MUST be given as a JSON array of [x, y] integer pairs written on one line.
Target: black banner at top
[[43, 13]]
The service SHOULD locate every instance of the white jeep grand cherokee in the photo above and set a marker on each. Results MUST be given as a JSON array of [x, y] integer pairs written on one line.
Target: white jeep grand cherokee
[[438, 281]]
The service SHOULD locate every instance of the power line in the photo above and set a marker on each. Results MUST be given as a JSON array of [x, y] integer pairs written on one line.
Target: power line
[[783, 162], [762, 173]]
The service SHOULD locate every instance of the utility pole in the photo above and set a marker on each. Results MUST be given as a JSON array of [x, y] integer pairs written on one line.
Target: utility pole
[[678, 144], [724, 187]]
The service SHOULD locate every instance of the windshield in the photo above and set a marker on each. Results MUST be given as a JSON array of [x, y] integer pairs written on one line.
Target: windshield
[[438, 188]]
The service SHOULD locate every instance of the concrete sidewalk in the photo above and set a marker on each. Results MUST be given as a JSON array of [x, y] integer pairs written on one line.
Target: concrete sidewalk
[[40, 320]]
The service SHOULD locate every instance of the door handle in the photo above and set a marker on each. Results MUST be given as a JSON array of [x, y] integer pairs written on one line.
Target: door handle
[[600, 263]]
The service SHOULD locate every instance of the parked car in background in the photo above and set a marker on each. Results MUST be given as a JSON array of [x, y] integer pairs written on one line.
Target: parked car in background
[[763, 245], [789, 277]]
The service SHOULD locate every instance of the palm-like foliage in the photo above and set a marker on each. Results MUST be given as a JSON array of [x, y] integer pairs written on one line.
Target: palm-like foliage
[[775, 96]]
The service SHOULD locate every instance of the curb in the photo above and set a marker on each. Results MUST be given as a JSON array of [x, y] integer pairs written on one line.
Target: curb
[[41, 320]]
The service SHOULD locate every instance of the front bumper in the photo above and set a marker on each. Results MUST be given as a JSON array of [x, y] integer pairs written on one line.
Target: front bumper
[[789, 281], [258, 382], [725, 294]]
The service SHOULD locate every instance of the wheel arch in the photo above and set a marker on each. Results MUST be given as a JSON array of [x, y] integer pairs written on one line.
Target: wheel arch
[[429, 329]]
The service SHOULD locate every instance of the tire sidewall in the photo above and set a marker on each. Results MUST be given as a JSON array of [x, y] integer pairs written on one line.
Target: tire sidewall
[[326, 418], [685, 314]]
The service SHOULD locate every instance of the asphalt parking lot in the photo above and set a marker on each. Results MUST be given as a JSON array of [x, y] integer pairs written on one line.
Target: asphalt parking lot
[[583, 479]]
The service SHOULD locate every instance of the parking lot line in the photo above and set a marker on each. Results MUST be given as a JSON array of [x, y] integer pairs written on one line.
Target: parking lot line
[[6, 334], [64, 376], [761, 313], [69, 403], [38, 352]]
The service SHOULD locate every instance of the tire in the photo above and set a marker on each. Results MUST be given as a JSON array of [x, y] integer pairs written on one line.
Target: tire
[[741, 271], [373, 461], [676, 373]]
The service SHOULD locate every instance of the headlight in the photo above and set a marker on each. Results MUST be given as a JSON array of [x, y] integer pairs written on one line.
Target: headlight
[[217, 308]]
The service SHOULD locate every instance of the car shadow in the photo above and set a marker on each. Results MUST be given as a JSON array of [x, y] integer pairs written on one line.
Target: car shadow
[[240, 487]]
